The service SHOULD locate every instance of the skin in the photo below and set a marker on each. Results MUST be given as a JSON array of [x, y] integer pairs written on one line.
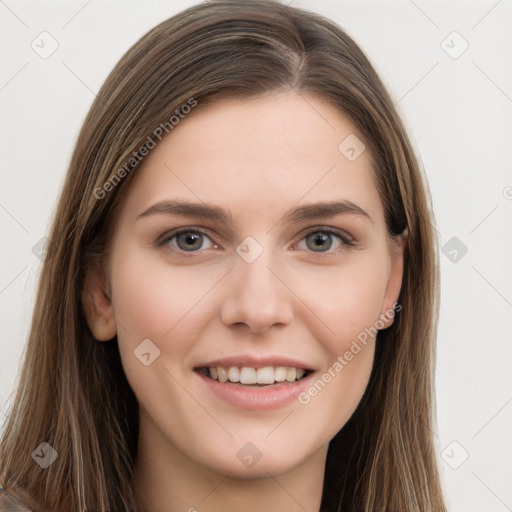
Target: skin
[[257, 158]]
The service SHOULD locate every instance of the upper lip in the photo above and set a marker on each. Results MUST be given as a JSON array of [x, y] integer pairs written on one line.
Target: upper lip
[[255, 362]]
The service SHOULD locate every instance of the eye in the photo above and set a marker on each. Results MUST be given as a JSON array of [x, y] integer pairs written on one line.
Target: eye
[[187, 240], [321, 240]]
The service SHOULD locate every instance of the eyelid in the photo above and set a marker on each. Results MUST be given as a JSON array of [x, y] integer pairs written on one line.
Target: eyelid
[[346, 237], [178, 231]]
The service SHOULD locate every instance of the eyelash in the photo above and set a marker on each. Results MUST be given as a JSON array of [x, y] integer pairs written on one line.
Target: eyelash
[[345, 239]]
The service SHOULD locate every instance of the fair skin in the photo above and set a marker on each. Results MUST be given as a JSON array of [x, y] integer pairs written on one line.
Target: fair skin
[[256, 159]]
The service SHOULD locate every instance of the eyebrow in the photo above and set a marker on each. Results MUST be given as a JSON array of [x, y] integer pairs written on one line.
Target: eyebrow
[[216, 213]]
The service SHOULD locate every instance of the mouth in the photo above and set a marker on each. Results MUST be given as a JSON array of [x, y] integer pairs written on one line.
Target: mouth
[[253, 382], [249, 376]]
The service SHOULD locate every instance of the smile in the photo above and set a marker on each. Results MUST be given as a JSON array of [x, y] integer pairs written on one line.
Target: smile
[[256, 388], [250, 376]]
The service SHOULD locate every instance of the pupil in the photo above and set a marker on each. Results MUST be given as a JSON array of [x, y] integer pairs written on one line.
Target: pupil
[[320, 241], [191, 241]]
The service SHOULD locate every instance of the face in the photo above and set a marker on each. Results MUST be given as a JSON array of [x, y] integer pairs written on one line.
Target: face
[[249, 246]]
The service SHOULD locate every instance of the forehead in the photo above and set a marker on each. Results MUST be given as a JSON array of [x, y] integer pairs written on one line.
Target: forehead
[[259, 156]]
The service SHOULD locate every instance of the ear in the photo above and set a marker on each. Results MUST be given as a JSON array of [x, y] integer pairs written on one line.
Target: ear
[[97, 305], [397, 249]]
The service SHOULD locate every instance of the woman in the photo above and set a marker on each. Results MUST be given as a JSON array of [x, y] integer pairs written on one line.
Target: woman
[[193, 345]]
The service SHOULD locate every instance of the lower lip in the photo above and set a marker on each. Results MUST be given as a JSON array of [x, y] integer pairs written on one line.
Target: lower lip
[[265, 398]]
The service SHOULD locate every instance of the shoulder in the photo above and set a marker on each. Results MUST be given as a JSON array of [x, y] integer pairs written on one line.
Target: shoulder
[[9, 502]]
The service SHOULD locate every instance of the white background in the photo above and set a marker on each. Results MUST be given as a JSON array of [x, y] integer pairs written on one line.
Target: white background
[[458, 112]]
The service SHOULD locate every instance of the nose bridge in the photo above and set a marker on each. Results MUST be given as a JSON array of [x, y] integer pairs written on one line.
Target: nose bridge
[[256, 297], [255, 277]]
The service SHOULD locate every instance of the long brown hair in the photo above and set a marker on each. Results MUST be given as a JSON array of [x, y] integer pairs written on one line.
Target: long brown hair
[[73, 393]]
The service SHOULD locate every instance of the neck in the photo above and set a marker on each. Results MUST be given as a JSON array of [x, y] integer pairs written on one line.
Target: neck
[[166, 480]]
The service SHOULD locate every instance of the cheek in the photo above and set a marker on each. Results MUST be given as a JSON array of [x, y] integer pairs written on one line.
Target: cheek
[[346, 300], [156, 301], [347, 303], [152, 297], [169, 306]]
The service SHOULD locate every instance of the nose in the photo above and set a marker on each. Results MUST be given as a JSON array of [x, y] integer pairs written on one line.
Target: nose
[[257, 297]]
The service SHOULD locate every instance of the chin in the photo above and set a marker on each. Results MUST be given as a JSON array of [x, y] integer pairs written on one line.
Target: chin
[[250, 462]]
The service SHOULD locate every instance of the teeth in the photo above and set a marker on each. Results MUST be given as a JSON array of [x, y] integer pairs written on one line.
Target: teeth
[[234, 374], [291, 374], [250, 376], [265, 375], [280, 373], [222, 374]]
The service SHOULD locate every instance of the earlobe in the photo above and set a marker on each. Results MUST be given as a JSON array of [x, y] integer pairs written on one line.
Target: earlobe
[[394, 283], [97, 306]]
